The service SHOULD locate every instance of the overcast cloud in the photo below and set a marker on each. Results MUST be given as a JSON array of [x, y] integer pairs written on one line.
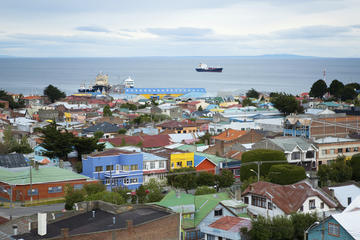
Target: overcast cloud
[[116, 28]]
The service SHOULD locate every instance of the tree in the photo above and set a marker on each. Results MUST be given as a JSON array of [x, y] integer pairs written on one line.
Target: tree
[[337, 172], [318, 89], [261, 228], [98, 134], [141, 194], [206, 138], [179, 178], [85, 145], [286, 103], [252, 93], [73, 196], [301, 222], [259, 155], [353, 85], [22, 147], [202, 190], [53, 93], [200, 109], [93, 188], [205, 179], [336, 88], [122, 131], [285, 174], [111, 197], [348, 93], [106, 111], [154, 188], [252, 179], [224, 179], [247, 102], [129, 106], [355, 165], [20, 103], [124, 192], [57, 143], [282, 228]]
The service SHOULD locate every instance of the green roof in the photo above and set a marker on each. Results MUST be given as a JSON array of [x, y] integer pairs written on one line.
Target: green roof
[[203, 205], [187, 148], [21, 176]]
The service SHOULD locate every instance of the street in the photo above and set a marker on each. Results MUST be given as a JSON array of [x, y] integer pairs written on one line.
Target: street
[[26, 211]]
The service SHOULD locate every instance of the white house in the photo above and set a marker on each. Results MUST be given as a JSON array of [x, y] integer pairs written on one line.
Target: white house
[[270, 200], [346, 192]]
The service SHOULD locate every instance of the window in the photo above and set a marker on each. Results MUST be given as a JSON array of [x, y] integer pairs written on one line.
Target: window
[[134, 167], [34, 192], [258, 201], [179, 164], [152, 165], [109, 167], [218, 212], [246, 200], [55, 189], [310, 154], [332, 151], [349, 200], [347, 149], [125, 167], [356, 149], [340, 150], [78, 186], [334, 229], [172, 165], [295, 156], [107, 181], [270, 205], [130, 180], [237, 172], [189, 163], [323, 152], [210, 237], [312, 204], [98, 169], [301, 209], [322, 205], [161, 164]]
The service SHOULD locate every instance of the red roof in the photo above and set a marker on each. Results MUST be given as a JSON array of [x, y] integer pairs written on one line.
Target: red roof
[[232, 224], [149, 141], [32, 97], [288, 197], [230, 134], [110, 152]]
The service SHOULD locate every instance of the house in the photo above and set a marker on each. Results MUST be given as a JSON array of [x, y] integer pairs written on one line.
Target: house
[[269, 200], [41, 158], [173, 111], [49, 114], [154, 167], [227, 227], [196, 211], [202, 163], [108, 129], [178, 127], [332, 147], [345, 193], [12, 160], [181, 159], [150, 141], [297, 150], [101, 220], [46, 182], [115, 168]]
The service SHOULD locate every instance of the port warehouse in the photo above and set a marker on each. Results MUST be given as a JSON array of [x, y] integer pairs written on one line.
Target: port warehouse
[[159, 93]]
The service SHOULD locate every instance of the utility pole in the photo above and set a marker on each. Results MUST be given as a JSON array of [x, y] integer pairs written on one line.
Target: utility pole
[[11, 201], [31, 190]]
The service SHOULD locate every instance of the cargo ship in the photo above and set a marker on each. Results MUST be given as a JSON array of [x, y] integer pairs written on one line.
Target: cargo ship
[[204, 68], [101, 85]]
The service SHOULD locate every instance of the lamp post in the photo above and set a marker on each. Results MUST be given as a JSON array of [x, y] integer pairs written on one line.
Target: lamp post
[[11, 201], [257, 174]]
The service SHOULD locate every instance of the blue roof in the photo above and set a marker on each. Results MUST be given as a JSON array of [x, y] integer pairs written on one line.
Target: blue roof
[[198, 159], [163, 90], [193, 95], [212, 106], [151, 157]]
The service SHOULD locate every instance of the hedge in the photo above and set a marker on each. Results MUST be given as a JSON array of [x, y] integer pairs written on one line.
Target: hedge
[[286, 174]]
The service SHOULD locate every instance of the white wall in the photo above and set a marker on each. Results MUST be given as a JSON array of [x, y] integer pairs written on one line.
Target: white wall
[[342, 193]]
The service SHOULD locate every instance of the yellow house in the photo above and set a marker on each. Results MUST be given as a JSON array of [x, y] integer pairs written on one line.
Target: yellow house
[[180, 160]]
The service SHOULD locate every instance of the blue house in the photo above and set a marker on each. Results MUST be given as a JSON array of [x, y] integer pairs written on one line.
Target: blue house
[[39, 156], [343, 226], [116, 168]]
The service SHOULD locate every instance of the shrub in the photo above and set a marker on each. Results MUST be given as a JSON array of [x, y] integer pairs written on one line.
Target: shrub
[[204, 190], [93, 188], [286, 174], [355, 165]]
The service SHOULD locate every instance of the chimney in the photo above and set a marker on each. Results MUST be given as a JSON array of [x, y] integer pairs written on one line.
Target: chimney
[[129, 224], [65, 232], [332, 192], [15, 229], [42, 224], [114, 220]]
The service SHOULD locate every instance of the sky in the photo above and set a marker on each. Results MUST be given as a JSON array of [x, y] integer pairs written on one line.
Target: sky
[[117, 28]]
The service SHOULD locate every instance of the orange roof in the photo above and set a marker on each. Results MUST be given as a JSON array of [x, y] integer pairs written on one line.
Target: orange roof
[[230, 134], [32, 97]]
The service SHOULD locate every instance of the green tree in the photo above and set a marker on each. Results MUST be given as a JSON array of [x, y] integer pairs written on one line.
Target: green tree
[[93, 188], [247, 102], [205, 179], [57, 143], [87, 145], [98, 134], [200, 109], [111, 197], [22, 147], [261, 228], [336, 88], [53, 93], [252, 93], [318, 89], [124, 192], [20, 103], [73, 196], [154, 188], [301, 222], [282, 228], [184, 178], [353, 85], [106, 111], [262, 155], [337, 172], [252, 179], [224, 179], [141, 194], [285, 174], [202, 190], [205, 139], [286, 103], [122, 131], [129, 106], [323, 173], [355, 165], [348, 93]]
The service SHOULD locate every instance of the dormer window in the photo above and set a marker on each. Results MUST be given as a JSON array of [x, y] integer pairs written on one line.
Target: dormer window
[[218, 212]]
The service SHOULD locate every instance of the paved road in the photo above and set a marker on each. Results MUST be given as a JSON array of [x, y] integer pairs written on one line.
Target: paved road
[[26, 211]]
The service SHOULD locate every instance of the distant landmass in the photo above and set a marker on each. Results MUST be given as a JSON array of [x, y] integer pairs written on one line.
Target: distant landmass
[[283, 56]]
